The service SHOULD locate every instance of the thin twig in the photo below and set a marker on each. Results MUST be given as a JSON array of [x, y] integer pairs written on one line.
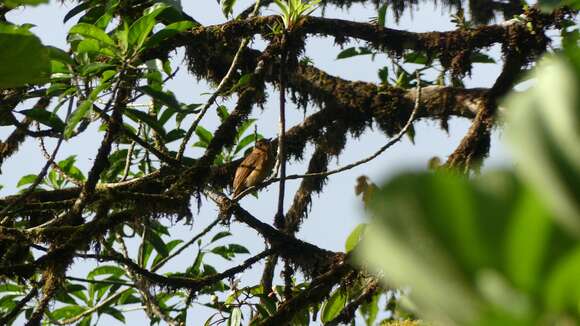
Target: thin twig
[[109, 282], [129, 157], [279, 217]]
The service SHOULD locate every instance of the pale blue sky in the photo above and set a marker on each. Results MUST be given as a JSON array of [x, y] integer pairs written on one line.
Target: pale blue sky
[[335, 212]]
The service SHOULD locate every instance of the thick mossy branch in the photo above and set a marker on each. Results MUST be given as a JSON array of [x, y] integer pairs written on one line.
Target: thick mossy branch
[[474, 146], [223, 39], [332, 143], [353, 103]]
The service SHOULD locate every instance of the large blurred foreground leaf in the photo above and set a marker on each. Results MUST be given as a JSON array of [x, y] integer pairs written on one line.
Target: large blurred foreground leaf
[[543, 127], [500, 249], [24, 58], [479, 252]]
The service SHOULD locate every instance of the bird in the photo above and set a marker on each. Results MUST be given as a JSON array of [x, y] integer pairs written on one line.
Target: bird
[[255, 167]]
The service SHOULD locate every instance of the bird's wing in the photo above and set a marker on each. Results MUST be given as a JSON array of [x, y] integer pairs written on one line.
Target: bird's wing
[[243, 171]]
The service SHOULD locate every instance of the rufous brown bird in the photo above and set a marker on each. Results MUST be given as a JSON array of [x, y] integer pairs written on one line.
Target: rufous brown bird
[[255, 167]]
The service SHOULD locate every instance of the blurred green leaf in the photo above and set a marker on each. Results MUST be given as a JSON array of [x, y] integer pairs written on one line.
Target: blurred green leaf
[[155, 240], [27, 179], [354, 237], [227, 7], [471, 250], [333, 306], [105, 270], [249, 139], [166, 98], [76, 10], [416, 58], [168, 32], [235, 317], [352, 52], [204, 135], [92, 32], [543, 127], [149, 120], [238, 249], [478, 57], [45, 117], [24, 59], [220, 235], [141, 28], [370, 310], [16, 3], [77, 115], [67, 312]]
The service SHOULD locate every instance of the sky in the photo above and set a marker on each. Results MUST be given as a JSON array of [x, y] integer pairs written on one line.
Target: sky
[[335, 212]]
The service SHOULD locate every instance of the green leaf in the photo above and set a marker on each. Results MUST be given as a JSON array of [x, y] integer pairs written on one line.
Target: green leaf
[[174, 135], [68, 167], [223, 251], [227, 7], [354, 237], [238, 249], [77, 115], [7, 287], [8, 302], [88, 46], [155, 240], [169, 246], [164, 97], [416, 57], [59, 55], [76, 10], [115, 313], [220, 235], [382, 18], [140, 116], [168, 32], [105, 270], [92, 32], [16, 3], [128, 297], [235, 317], [223, 113], [542, 128], [45, 117], [243, 127], [204, 135], [370, 310], [384, 75], [141, 28], [27, 179], [479, 57], [562, 287], [95, 68], [24, 59], [67, 312], [333, 306], [244, 143], [352, 52], [471, 249]]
